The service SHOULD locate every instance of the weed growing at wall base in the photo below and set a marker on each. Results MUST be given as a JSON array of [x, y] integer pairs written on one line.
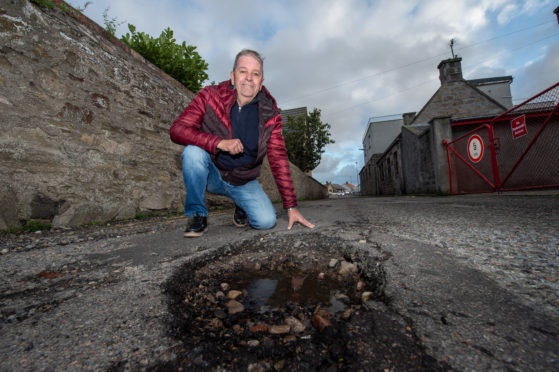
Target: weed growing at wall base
[[28, 227]]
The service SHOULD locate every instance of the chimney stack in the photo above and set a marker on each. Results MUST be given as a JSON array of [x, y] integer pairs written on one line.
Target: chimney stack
[[450, 70], [408, 117]]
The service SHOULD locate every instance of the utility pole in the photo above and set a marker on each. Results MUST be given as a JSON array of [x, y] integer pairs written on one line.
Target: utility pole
[[357, 180], [556, 11]]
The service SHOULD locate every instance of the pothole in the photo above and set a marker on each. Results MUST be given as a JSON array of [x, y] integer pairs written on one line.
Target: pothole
[[288, 304]]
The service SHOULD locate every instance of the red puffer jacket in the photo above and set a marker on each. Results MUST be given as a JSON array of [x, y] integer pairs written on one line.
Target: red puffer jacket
[[206, 121]]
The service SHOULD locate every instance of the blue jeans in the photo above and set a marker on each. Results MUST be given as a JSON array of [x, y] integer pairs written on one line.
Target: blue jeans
[[200, 175]]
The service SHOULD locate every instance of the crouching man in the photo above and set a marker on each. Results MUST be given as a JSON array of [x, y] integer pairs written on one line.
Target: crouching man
[[228, 129]]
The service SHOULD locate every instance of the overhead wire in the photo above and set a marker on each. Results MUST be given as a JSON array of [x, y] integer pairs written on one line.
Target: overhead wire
[[412, 63], [431, 80]]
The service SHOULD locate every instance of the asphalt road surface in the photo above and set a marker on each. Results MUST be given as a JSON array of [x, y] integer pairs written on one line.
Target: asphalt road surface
[[475, 277]]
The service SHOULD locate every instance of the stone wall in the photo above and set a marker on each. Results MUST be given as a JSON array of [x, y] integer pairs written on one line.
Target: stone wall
[[305, 187], [368, 177], [85, 123], [417, 162], [390, 172]]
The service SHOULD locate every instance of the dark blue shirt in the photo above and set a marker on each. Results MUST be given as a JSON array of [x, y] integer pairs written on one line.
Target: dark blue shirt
[[245, 127]]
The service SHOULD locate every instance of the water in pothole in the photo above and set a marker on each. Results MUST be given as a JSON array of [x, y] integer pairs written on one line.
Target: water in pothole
[[270, 290]]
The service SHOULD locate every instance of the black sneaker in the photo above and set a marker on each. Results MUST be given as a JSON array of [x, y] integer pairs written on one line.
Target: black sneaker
[[240, 218], [197, 227]]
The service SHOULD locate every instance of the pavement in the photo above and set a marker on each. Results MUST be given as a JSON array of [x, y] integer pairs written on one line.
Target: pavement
[[476, 277]]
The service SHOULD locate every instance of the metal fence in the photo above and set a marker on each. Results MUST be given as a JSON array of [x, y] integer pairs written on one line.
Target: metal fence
[[516, 150]]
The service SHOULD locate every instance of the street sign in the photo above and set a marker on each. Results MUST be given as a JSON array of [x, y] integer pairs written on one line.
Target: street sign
[[475, 148], [518, 126]]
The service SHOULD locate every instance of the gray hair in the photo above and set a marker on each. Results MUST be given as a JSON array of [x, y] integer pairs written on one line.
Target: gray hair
[[252, 53]]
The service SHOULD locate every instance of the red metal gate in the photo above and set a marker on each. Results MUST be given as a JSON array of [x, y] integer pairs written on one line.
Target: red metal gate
[[470, 162], [517, 150]]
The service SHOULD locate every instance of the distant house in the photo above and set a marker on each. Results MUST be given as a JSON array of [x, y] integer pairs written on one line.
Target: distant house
[[411, 161], [349, 187], [335, 189], [497, 87], [294, 113], [380, 132]]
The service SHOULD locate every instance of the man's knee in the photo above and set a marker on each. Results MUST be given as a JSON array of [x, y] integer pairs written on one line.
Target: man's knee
[[194, 155], [264, 221]]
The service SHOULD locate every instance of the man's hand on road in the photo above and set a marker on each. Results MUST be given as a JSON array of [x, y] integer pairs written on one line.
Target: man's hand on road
[[232, 146], [296, 216]]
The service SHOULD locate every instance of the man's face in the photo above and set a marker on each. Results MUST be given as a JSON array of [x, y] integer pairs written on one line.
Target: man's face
[[247, 79]]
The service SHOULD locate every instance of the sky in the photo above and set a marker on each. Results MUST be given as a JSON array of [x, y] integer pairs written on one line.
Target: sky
[[356, 59]]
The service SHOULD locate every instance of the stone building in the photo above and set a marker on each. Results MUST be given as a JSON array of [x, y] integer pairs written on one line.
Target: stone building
[[368, 176], [414, 160], [459, 99]]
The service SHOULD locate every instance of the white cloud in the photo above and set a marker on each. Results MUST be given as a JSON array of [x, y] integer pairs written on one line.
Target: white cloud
[[531, 6], [507, 13], [539, 74]]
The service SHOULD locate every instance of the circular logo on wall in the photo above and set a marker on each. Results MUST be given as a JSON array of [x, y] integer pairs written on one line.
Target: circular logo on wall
[[475, 148]]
